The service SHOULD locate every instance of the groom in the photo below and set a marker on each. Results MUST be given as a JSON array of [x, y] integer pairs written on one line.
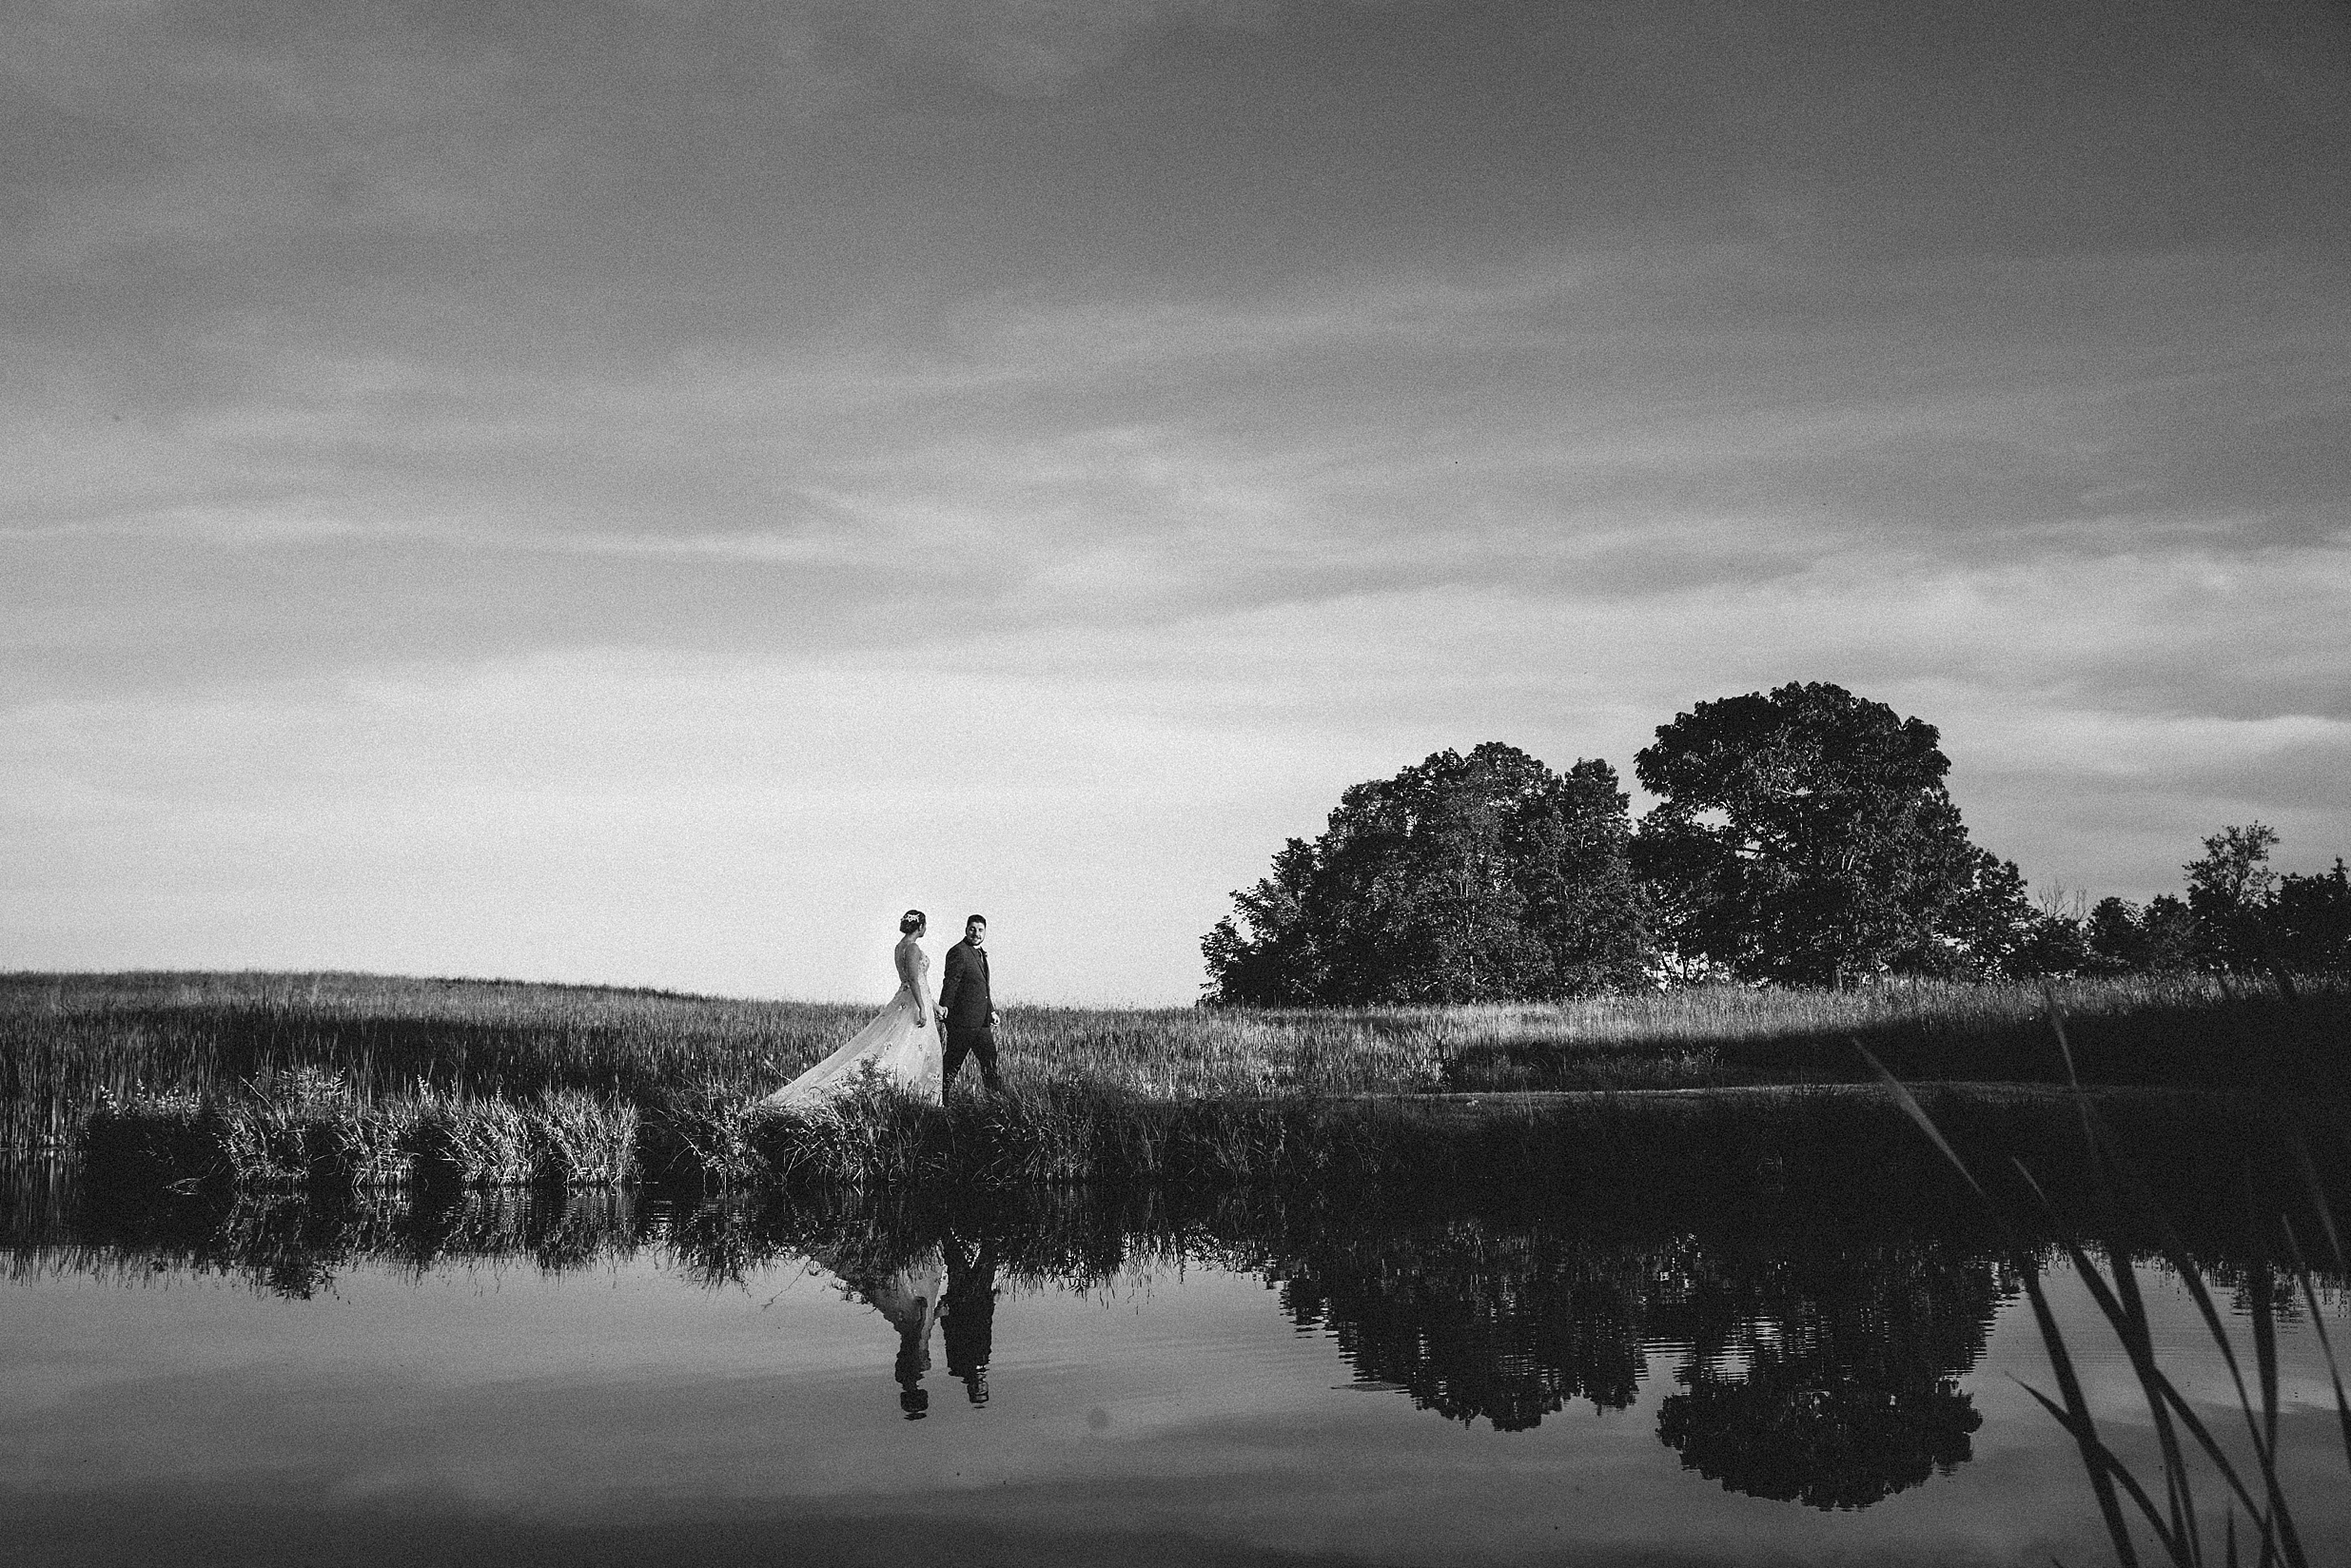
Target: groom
[[969, 1009]]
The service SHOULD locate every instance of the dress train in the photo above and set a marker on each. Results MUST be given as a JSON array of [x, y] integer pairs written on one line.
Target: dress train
[[892, 1047]]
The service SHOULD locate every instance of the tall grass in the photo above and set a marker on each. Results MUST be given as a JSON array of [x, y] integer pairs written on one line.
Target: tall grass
[[308, 1129], [66, 1038], [2169, 1508], [1647, 1149]]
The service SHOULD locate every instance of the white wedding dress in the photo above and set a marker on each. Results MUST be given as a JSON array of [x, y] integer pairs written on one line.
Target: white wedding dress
[[894, 1046]]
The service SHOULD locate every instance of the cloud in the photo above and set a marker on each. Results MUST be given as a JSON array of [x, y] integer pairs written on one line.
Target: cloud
[[1035, 49], [717, 817], [640, 432]]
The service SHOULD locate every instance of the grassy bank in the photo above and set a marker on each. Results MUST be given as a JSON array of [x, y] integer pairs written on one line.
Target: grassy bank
[[264, 1080], [66, 1038], [1592, 1151]]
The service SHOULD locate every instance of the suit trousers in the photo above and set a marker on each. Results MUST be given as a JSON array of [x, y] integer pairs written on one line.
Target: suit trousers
[[975, 1040]]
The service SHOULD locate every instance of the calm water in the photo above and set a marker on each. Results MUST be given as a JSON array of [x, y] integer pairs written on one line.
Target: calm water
[[627, 1380]]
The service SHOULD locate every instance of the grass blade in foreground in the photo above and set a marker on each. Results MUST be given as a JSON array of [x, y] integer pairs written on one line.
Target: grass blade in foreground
[[2173, 1523]]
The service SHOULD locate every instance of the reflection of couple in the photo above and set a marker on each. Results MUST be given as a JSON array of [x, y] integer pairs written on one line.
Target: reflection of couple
[[945, 1283], [901, 1047]]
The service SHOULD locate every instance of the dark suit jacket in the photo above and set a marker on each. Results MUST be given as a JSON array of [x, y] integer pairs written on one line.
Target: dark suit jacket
[[963, 996]]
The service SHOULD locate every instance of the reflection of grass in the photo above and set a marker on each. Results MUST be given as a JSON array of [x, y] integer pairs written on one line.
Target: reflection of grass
[[2192, 1457]]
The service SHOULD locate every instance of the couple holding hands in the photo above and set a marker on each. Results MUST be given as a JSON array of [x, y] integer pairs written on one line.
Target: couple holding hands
[[903, 1045]]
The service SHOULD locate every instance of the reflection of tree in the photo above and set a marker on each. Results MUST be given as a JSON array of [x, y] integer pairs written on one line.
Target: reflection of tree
[[1848, 1393], [1848, 1352], [1477, 1324], [1804, 1430]]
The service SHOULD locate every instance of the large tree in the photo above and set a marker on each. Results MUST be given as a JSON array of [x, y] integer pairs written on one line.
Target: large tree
[[1803, 836], [1463, 878]]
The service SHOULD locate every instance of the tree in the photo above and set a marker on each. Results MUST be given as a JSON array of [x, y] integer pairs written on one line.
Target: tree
[[1994, 930], [2227, 891], [2168, 931], [1803, 836], [1280, 963], [2311, 920], [2239, 914], [1463, 878], [1988, 930], [2055, 948], [2116, 937]]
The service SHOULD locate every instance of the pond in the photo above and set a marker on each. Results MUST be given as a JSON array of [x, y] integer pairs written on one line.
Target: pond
[[636, 1376]]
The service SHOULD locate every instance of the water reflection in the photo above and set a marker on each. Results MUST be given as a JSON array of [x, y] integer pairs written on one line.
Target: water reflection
[[909, 1297], [970, 1313], [1505, 1327], [1809, 1361], [1822, 1371], [1829, 1376], [948, 1283]]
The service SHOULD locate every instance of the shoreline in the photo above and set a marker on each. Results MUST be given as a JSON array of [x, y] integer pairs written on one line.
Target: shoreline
[[1074, 1134]]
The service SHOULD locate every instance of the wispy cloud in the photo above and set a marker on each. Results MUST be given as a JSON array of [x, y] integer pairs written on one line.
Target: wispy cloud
[[580, 449]]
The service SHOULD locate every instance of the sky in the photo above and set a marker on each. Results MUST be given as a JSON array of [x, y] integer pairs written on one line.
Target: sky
[[645, 491]]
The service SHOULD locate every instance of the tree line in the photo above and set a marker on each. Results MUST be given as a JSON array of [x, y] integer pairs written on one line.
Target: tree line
[[1801, 836]]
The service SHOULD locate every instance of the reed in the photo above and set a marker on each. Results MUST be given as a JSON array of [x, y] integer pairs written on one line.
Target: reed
[[581, 1141], [311, 1131], [2168, 1508], [479, 1143]]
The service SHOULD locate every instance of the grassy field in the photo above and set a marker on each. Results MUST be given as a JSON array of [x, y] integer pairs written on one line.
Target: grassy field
[[494, 1082]]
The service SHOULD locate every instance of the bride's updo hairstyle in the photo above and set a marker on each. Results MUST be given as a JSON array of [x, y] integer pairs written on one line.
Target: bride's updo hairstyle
[[913, 921]]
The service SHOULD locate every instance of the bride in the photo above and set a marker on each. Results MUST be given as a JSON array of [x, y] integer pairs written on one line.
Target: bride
[[900, 1046]]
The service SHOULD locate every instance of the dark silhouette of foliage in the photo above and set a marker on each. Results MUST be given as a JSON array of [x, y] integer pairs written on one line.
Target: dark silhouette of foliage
[[1805, 836], [2170, 931], [2310, 917], [2228, 889], [1849, 1390], [2238, 915], [1475, 1325], [1847, 1356], [1993, 930], [1470, 878], [2056, 947], [2114, 938], [1796, 1430]]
